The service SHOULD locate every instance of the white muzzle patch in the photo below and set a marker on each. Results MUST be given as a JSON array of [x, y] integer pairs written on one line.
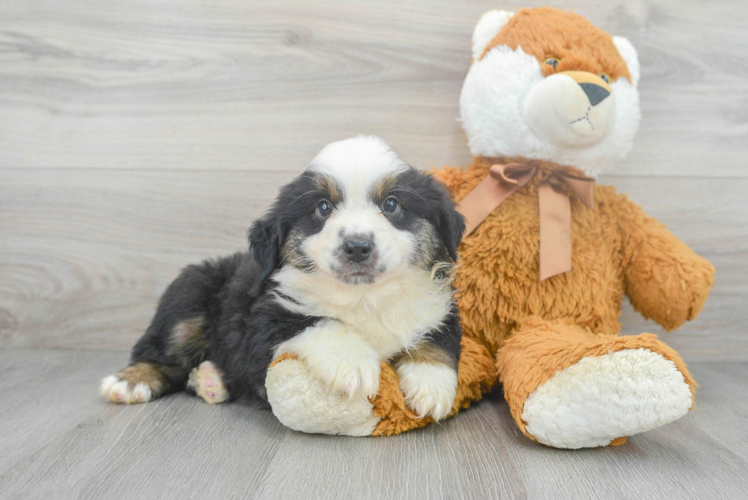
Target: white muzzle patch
[[360, 219]]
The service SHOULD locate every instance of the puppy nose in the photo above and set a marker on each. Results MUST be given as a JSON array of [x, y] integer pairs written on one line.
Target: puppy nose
[[595, 93], [358, 249]]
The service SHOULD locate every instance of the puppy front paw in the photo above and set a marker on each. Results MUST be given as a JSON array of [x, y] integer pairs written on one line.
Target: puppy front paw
[[429, 389], [350, 369], [338, 357], [352, 375]]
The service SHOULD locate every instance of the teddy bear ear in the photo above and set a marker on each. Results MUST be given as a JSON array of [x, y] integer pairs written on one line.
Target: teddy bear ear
[[487, 28], [628, 52]]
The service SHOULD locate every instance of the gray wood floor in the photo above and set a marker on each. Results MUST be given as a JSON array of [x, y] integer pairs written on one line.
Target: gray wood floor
[[60, 440], [138, 136]]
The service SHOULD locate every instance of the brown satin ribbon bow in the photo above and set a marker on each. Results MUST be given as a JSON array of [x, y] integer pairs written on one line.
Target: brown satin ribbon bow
[[555, 209]]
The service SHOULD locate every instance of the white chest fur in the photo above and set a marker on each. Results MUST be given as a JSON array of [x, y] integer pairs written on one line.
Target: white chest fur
[[389, 316]]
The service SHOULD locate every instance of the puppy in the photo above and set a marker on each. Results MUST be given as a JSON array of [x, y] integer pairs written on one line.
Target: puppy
[[350, 267]]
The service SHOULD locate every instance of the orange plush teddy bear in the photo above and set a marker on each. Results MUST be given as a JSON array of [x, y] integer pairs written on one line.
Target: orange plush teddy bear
[[549, 100]]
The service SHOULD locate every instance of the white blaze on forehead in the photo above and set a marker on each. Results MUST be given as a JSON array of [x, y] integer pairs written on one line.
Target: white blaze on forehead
[[357, 164]]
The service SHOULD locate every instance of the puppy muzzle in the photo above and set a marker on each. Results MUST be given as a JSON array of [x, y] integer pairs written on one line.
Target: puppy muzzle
[[357, 259]]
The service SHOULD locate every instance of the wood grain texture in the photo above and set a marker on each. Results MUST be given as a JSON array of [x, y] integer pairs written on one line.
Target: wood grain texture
[[85, 254], [44, 394], [140, 136], [179, 447], [189, 84]]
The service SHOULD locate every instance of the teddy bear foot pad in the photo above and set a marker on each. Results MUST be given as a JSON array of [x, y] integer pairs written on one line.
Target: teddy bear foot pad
[[306, 404], [599, 399]]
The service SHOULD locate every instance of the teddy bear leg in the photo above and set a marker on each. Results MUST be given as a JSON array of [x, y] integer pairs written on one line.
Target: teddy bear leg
[[569, 388], [304, 403]]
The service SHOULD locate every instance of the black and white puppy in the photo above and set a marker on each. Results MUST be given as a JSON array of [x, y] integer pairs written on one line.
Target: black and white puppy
[[351, 266]]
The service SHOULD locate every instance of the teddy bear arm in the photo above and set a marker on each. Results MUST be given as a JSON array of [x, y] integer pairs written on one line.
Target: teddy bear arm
[[476, 375], [665, 280]]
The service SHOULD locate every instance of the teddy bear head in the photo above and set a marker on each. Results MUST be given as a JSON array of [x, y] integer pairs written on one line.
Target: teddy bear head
[[547, 84]]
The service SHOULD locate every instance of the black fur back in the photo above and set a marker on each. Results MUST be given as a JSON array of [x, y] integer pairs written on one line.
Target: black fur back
[[240, 325]]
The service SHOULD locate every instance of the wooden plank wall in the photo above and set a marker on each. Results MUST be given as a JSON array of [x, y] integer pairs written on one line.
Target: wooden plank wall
[[137, 136]]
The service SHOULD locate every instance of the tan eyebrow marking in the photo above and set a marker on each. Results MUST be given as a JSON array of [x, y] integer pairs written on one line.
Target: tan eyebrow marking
[[377, 193], [328, 185]]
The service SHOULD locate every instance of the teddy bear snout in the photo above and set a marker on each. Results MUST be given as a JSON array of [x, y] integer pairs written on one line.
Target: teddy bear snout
[[572, 109], [595, 93]]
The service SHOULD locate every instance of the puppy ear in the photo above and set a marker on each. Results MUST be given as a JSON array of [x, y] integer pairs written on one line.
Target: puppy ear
[[452, 225], [266, 236]]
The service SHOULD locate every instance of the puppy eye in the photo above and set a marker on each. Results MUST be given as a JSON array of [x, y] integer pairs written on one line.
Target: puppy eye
[[552, 61], [605, 77], [390, 205], [324, 208]]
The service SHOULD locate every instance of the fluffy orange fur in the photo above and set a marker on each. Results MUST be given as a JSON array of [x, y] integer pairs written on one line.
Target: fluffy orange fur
[[530, 329], [570, 38]]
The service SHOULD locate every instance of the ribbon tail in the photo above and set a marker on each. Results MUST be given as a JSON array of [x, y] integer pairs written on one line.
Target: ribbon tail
[[482, 200], [555, 232]]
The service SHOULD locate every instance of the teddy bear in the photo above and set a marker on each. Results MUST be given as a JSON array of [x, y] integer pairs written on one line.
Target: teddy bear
[[549, 102]]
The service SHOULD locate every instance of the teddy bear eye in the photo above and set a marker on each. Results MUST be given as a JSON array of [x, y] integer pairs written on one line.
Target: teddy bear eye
[[605, 77], [552, 61]]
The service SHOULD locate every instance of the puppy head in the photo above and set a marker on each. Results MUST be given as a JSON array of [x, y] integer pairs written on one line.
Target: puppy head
[[358, 214]]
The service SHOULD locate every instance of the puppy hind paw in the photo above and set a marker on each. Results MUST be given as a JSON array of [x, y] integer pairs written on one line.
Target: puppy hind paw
[[207, 383], [106, 385], [121, 391]]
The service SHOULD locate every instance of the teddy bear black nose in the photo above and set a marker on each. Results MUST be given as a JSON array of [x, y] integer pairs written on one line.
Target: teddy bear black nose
[[595, 93], [358, 249]]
